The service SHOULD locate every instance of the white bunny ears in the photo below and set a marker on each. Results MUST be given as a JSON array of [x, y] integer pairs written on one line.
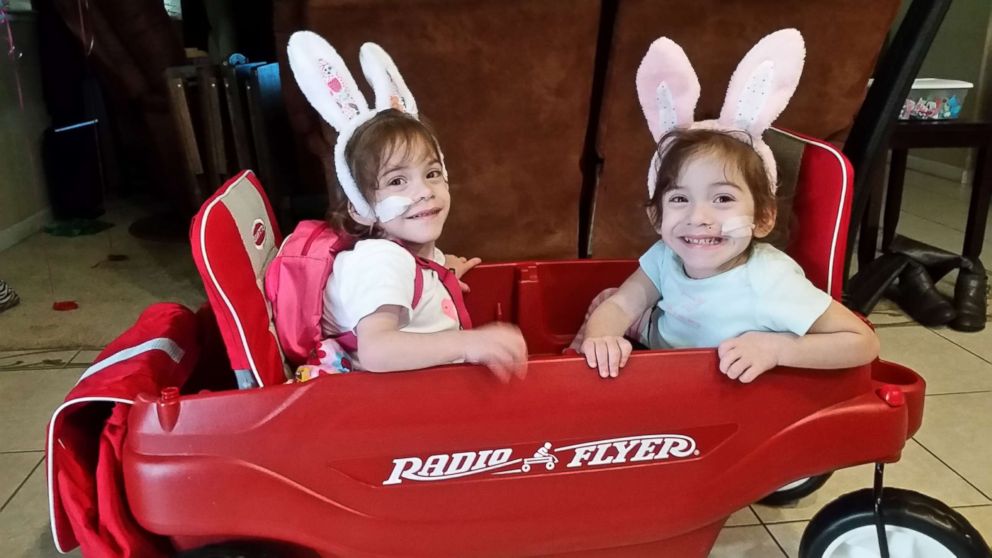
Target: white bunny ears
[[759, 90], [327, 84]]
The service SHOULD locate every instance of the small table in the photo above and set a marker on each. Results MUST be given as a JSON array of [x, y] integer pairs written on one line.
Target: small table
[[914, 134]]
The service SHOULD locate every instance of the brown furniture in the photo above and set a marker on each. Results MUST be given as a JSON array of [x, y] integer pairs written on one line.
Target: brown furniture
[[181, 82], [229, 118], [535, 107]]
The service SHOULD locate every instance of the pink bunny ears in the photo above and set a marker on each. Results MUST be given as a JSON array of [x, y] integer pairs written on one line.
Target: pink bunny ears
[[328, 85], [759, 90]]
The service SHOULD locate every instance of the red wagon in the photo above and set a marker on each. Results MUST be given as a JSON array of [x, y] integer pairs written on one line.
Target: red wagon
[[447, 461]]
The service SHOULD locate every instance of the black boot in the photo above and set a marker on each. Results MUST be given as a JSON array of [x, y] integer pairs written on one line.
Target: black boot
[[971, 297], [866, 287], [937, 262], [917, 295]]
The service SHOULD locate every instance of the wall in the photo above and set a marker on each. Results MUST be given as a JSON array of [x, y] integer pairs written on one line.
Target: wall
[[23, 197]]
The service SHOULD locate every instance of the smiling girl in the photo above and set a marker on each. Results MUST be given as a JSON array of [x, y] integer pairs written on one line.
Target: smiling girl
[[710, 281], [394, 300]]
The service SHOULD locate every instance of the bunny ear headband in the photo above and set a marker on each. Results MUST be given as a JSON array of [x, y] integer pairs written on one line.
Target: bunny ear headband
[[327, 84], [759, 90]]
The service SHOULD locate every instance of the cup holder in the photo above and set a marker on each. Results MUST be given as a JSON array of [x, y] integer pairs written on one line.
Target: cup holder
[[895, 374]]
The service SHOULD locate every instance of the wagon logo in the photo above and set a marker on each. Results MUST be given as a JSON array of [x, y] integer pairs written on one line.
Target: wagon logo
[[449, 466], [258, 233], [632, 449], [612, 451]]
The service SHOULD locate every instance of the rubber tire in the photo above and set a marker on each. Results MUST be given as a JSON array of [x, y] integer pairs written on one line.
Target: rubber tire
[[784, 497], [904, 508]]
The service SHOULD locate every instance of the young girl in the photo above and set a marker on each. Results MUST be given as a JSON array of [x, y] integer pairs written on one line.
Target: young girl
[[393, 302], [710, 281]]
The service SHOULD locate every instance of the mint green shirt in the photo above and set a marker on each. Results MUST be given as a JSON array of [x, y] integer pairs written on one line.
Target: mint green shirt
[[769, 292]]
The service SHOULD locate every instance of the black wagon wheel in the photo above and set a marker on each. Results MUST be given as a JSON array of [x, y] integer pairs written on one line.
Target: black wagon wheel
[[916, 526]]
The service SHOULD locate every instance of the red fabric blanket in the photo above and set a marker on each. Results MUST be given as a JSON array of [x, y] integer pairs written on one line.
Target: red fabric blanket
[[86, 435]]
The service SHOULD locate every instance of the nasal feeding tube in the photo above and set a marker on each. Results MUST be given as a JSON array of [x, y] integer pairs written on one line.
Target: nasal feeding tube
[[392, 207], [741, 226]]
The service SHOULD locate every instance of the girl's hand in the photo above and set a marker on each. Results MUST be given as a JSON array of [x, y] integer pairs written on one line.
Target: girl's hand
[[752, 354], [498, 346], [609, 354], [460, 266]]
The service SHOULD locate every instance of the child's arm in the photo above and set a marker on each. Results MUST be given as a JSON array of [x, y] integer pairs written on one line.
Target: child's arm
[[604, 345], [837, 339], [382, 347]]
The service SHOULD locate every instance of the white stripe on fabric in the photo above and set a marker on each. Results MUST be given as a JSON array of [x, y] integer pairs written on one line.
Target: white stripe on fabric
[[164, 344], [49, 459]]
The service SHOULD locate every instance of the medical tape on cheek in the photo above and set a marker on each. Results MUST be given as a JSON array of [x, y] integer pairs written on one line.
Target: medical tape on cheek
[[741, 226], [392, 207]]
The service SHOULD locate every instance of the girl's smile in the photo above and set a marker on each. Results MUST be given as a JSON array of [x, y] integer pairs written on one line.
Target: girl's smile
[[702, 241], [705, 217], [425, 214]]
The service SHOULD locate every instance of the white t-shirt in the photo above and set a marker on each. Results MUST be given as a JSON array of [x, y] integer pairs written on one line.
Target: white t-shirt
[[769, 292], [380, 272]]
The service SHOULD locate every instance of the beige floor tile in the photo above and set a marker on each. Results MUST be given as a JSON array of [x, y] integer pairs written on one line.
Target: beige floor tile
[[952, 188], [110, 294], [936, 206], [979, 342], [27, 399], [930, 231], [945, 367], [938, 199], [789, 535], [956, 429], [917, 470], [24, 523], [981, 518], [888, 314], [745, 542], [84, 358], [36, 359], [14, 468], [741, 518]]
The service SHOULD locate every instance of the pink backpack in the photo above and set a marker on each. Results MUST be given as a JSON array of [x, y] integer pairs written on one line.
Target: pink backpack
[[294, 285], [295, 280]]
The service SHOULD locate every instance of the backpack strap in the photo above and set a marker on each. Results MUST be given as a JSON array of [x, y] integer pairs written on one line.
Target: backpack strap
[[418, 283], [450, 281]]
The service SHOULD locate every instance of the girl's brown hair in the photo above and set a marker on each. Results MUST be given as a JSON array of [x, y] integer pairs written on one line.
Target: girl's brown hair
[[680, 145], [369, 148]]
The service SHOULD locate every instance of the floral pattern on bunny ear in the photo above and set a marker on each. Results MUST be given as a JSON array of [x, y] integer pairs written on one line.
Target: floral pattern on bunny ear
[[395, 99], [387, 83], [340, 94], [396, 103]]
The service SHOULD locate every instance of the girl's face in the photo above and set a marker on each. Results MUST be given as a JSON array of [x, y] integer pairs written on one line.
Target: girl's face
[[707, 195], [415, 174]]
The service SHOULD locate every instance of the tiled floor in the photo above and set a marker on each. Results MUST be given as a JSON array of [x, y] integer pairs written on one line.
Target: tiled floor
[[949, 458]]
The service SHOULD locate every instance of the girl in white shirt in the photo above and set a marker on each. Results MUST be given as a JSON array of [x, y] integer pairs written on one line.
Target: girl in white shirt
[[393, 302]]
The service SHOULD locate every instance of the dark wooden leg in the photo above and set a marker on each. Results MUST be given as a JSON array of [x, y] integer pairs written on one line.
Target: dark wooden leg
[[868, 241], [893, 196], [212, 127], [978, 209]]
